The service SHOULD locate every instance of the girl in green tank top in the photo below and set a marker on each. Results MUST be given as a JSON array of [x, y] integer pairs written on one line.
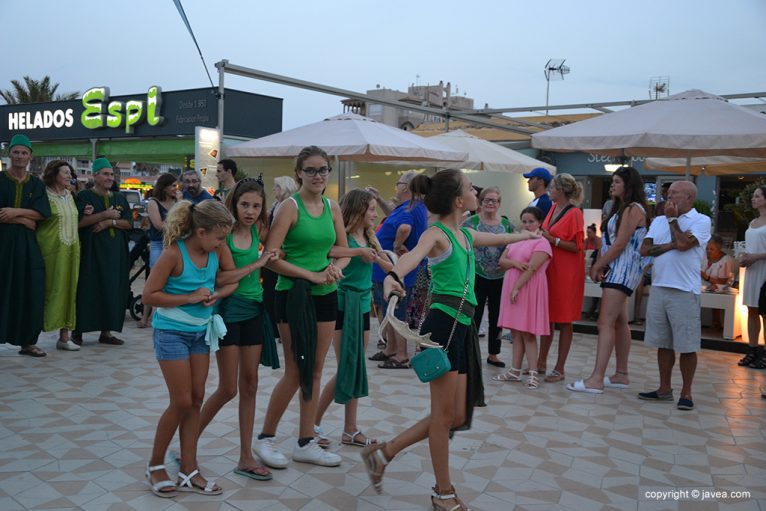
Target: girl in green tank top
[[240, 353], [305, 227], [448, 194], [351, 338]]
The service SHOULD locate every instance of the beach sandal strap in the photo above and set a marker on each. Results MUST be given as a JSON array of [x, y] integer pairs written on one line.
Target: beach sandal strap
[[186, 480], [155, 468]]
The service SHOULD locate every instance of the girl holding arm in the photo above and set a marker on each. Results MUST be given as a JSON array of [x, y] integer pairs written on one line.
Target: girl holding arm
[[248, 327], [306, 227], [350, 341], [182, 288], [449, 247]]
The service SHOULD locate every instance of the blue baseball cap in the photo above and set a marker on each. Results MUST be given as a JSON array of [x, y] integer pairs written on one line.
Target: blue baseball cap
[[540, 172]]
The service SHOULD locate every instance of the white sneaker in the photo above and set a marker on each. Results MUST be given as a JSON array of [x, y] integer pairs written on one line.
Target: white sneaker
[[312, 453], [270, 455], [67, 345]]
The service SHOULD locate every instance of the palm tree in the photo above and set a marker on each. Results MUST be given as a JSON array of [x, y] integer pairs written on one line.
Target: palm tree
[[35, 91]]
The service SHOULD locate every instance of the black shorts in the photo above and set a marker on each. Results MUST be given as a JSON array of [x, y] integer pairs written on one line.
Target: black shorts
[[439, 324], [342, 316], [244, 333], [325, 306]]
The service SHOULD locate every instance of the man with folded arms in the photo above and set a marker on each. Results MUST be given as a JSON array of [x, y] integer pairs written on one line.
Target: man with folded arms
[[676, 242]]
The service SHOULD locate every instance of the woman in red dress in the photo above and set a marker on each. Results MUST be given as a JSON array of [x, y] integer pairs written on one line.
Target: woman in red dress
[[563, 228]]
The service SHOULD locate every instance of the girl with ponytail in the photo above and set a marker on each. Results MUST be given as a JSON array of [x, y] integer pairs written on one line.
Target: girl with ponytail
[[182, 287], [449, 249]]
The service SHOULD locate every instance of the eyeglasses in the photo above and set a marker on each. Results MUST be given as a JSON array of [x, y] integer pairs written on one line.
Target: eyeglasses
[[313, 171], [491, 201], [401, 183]]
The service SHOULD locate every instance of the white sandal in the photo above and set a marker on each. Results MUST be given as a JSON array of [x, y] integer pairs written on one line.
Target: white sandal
[[158, 487], [532, 380], [513, 374], [186, 485], [350, 439], [321, 439]]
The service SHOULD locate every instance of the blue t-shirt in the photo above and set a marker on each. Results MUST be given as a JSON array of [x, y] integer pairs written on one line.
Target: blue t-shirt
[[543, 203], [203, 195], [417, 219]]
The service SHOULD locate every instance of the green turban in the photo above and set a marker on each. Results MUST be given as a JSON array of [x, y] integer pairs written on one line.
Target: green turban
[[20, 140], [101, 163]]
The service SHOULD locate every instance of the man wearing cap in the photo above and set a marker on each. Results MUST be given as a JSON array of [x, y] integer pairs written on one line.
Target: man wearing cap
[[192, 187], [102, 292], [23, 202], [537, 183]]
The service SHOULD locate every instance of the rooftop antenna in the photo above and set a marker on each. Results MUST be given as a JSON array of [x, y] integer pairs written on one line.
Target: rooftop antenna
[[659, 87], [554, 70]]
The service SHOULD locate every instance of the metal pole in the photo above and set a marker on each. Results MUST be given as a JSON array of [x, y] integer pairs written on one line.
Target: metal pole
[[547, 92], [220, 65], [688, 168]]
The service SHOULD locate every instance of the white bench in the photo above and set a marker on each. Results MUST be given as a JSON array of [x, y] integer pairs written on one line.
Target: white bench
[[732, 327]]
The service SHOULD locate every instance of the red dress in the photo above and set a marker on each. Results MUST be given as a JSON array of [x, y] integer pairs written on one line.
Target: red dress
[[566, 271]]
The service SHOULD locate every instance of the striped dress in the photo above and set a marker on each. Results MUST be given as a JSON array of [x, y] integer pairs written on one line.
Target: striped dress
[[626, 270]]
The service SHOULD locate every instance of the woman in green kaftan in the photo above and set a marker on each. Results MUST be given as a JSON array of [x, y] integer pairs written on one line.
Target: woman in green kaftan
[[352, 328], [60, 245], [22, 286], [102, 291]]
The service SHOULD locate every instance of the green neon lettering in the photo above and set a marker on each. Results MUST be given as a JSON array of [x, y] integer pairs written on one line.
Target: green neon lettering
[[93, 101], [134, 111], [154, 102], [114, 119]]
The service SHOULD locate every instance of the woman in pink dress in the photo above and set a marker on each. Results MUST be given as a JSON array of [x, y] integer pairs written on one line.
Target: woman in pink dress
[[524, 298]]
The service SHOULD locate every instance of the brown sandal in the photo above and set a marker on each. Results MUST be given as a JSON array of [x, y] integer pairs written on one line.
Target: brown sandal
[[375, 462]]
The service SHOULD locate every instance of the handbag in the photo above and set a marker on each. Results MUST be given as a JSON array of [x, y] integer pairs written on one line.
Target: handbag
[[432, 362]]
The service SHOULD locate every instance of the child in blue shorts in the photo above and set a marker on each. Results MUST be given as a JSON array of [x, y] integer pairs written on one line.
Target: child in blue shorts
[[181, 287]]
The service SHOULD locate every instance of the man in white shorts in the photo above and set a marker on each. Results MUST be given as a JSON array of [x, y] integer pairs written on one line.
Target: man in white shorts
[[676, 241]]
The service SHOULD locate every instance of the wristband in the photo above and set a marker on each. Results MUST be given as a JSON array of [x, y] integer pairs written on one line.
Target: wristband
[[672, 219], [114, 222], [395, 277], [558, 240]]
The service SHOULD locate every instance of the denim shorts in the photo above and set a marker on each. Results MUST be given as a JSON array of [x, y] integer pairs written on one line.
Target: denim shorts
[[401, 306], [155, 249], [175, 345]]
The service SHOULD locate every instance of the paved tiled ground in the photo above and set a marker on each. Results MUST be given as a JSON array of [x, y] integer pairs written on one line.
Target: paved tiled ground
[[76, 431]]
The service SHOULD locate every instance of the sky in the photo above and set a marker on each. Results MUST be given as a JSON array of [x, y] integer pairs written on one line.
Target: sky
[[493, 51]]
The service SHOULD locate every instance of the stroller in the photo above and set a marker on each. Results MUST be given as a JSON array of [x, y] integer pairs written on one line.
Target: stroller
[[138, 242]]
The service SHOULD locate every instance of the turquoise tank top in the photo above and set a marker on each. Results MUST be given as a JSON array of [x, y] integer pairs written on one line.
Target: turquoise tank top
[[191, 279]]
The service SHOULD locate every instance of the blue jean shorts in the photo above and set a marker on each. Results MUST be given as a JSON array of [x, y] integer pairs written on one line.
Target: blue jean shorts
[[155, 249], [175, 345], [401, 306]]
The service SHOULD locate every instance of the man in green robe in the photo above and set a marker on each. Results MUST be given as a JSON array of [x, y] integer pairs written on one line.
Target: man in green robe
[[103, 288], [23, 202]]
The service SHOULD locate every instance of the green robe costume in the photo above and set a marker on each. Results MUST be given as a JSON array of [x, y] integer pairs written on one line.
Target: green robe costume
[[103, 288], [60, 245], [22, 286]]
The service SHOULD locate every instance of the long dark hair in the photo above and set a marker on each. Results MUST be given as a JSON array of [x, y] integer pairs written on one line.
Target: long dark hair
[[249, 184], [634, 192], [161, 185], [438, 192]]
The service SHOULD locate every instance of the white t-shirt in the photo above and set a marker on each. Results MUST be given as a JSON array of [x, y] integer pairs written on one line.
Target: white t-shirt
[[677, 269]]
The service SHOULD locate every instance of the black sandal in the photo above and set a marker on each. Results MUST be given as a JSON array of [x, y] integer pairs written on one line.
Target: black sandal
[[380, 357], [749, 358], [760, 359]]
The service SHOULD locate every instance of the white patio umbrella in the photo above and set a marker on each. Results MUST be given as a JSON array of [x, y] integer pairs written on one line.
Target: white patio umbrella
[[686, 125], [709, 165], [486, 155], [350, 137]]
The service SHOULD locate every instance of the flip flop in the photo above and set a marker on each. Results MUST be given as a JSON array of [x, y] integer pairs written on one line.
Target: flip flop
[[553, 377], [259, 473], [608, 383], [32, 351], [579, 386]]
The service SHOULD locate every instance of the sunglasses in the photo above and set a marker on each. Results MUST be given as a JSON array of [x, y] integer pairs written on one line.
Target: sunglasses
[[313, 171]]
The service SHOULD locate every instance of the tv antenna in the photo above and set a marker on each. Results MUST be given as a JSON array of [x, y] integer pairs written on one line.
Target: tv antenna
[[554, 70], [659, 87]]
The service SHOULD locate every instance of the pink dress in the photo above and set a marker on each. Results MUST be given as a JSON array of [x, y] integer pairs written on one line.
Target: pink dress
[[530, 312]]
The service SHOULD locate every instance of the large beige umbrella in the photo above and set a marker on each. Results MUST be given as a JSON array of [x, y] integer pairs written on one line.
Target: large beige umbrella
[[486, 155], [709, 165], [686, 125], [351, 138]]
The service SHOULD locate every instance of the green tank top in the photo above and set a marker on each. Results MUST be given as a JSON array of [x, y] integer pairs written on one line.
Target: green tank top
[[357, 276], [448, 274], [307, 244], [249, 287]]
